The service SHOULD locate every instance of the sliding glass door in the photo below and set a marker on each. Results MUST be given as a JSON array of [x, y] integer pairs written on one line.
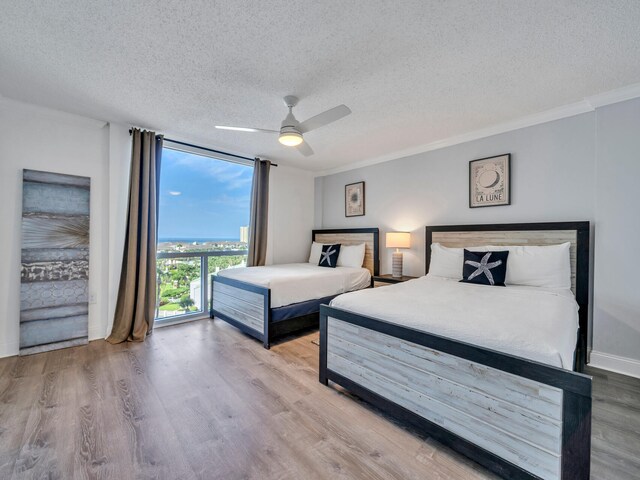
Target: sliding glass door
[[202, 228]]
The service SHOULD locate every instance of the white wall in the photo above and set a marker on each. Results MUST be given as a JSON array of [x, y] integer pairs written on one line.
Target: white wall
[[617, 294], [584, 167], [291, 215], [552, 180], [41, 139], [119, 170]]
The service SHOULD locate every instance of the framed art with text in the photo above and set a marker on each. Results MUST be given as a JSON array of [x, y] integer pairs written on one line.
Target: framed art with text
[[354, 199], [489, 181]]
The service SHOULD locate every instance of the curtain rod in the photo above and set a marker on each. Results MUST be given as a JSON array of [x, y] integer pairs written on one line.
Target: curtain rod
[[209, 149]]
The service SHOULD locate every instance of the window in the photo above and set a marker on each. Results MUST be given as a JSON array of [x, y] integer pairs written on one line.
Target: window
[[202, 227]]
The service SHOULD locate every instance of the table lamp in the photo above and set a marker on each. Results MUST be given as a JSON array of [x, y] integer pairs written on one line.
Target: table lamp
[[398, 240]]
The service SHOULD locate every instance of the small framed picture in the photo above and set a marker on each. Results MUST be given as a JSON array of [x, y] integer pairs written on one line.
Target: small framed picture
[[354, 199], [489, 181]]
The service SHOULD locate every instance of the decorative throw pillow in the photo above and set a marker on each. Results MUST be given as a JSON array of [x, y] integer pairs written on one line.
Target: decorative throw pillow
[[329, 256], [485, 268]]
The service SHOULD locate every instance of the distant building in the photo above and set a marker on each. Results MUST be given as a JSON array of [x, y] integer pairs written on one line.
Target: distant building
[[194, 292], [244, 234]]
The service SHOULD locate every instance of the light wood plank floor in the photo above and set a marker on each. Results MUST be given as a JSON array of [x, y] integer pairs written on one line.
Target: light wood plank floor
[[202, 400]]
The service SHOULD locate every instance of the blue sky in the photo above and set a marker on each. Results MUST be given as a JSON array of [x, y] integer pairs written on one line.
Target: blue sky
[[201, 197]]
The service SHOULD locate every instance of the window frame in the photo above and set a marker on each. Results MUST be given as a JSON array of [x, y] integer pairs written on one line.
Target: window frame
[[204, 256]]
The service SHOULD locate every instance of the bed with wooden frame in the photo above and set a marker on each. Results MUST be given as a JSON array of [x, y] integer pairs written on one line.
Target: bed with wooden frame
[[517, 417], [248, 306]]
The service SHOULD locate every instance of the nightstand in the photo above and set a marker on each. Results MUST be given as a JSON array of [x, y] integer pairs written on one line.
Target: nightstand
[[384, 280]]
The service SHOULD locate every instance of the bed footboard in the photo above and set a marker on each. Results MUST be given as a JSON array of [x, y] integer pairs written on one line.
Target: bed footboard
[[243, 305], [519, 418]]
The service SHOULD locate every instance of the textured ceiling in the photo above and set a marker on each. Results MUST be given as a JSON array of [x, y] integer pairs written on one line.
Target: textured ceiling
[[412, 72]]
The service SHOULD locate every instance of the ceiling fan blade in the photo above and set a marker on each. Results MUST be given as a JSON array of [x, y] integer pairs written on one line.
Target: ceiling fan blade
[[245, 129], [305, 149], [324, 118]]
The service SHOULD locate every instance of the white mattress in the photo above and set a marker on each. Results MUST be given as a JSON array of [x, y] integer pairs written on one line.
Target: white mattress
[[298, 282], [530, 322]]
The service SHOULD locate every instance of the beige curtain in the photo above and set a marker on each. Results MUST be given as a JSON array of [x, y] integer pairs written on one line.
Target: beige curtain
[[135, 310], [259, 213]]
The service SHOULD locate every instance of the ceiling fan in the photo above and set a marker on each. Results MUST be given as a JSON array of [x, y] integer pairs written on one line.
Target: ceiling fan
[[291, 131]]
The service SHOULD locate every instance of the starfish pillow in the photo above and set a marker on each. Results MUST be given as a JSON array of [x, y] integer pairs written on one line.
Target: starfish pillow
[[485, 268], [329, 256]]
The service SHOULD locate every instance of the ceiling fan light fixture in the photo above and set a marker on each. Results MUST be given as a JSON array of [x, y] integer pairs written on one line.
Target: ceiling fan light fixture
[[291, 130], [290, 139]]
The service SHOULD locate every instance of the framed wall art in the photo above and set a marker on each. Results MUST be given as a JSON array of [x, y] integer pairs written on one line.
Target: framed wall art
[[54, 299], [489, 181], [354, 199]]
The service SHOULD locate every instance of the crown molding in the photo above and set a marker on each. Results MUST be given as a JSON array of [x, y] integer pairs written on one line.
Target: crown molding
[[522, 122], [614, 96], [26, 108], [588, 104]]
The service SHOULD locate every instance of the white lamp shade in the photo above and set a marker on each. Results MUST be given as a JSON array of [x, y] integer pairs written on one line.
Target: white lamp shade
[[398, 240]]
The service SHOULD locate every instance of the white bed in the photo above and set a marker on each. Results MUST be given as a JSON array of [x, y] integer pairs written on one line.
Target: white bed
[[270, 302], [487, 370], [536, 323], [299, 282]]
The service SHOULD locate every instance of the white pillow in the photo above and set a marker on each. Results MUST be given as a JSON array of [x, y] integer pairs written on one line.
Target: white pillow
[[351, 255], [316, 251], [546, 266], [447, 262]]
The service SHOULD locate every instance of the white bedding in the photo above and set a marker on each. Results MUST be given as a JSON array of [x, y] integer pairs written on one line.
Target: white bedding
[[298, 282], [531, 322]]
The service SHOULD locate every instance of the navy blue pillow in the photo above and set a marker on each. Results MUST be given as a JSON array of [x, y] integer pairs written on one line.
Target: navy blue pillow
[[485, 268], [329, 256]]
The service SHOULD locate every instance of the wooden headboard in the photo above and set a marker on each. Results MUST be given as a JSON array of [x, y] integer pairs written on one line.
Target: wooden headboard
[[354, 236], [528, 234]]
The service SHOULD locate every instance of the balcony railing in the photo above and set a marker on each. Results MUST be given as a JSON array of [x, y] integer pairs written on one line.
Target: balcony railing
[[183, 278]]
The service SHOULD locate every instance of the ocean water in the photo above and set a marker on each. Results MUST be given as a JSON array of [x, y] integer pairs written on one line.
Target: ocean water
[[198, 240]]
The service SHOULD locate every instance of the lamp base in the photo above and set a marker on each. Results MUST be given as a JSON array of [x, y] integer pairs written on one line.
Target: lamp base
[[396, 266]]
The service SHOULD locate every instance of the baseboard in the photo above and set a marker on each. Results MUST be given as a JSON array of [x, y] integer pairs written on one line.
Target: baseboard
[[9, 349], [614, 363], [97, 333]]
